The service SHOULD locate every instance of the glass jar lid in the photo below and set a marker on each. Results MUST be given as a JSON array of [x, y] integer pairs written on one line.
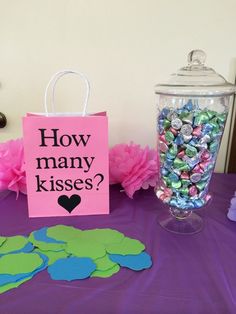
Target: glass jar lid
[[196, 79]]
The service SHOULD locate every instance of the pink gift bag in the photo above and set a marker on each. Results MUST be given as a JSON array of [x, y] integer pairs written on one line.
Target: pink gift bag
[[66, 159]]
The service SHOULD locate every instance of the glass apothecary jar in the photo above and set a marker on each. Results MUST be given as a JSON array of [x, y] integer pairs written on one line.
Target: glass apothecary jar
[[192, 111]]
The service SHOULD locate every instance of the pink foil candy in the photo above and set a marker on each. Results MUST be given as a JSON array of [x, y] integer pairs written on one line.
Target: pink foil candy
[[193, 190], [166, 200], [197, 131], [207, 197], [159, 193], [184, 175], [162, 138], [162, 185], [163, 147], [205, 155], [181, 154], [168, 192], [162, 197], [204, 164], [175, 132], [198, 169]]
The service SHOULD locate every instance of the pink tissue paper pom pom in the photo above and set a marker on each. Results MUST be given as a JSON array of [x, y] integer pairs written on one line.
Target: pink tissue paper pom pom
[[133, 167], [12, 172]]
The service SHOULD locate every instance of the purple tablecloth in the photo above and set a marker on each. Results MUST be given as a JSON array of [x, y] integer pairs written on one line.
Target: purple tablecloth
[[190, 274]]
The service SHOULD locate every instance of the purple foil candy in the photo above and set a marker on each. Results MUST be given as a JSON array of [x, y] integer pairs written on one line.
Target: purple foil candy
[[207, 128], [165, 112], [179, 140], [192, 161], [189, 105], [195, 177], [164, 171]]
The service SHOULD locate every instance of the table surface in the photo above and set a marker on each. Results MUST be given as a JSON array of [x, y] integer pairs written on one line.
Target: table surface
[[190, 274]]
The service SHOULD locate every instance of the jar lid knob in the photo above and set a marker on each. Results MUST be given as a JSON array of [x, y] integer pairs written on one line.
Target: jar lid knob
[[196, 58]]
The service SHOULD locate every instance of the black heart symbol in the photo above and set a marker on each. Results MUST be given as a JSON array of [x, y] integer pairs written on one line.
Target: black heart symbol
[[69, 203]]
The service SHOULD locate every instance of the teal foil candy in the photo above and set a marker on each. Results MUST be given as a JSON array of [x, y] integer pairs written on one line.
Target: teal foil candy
[[179, 163], [211, 114], [182, 202], [184, 191], [221, 118], [170, 156], [169, 136], [173, 202], [191, 151], [173, 177], [214, 124], [184, 167], [198, 203], [166, 124], [213, 147], [168, 164], [191, 205], [183, 114], [201, 185], [173, 150], [176, 185], [185, 182], [201, 118]]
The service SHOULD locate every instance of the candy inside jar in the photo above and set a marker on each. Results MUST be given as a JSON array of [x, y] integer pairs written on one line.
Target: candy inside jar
[[188, 142], [192, 111]]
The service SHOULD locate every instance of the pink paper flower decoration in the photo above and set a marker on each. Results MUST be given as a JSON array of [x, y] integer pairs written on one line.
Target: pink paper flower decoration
[[133, 167], [12, 172]]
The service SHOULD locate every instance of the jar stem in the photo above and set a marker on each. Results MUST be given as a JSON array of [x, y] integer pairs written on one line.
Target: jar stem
[[180, 214]]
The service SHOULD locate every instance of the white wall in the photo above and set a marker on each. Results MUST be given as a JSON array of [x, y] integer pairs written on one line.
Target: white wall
[[125, 47]]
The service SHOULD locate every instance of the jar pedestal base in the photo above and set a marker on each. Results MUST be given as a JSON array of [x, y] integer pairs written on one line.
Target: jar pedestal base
[[179, 221]]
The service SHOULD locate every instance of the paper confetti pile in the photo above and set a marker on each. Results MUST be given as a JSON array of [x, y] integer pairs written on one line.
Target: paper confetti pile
[[68, 254]]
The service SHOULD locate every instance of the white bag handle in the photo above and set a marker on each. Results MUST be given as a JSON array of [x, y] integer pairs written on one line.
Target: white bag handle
[[54, 80]]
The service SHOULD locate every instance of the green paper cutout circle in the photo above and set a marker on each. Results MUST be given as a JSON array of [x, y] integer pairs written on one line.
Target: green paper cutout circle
[[63, 233], [104, 263], [45, 246], [52, 255], [13, 285], [104, 236], [106, 274], [85, 248], [19, 263], [125, 247], [12, 244], [2, 240]]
